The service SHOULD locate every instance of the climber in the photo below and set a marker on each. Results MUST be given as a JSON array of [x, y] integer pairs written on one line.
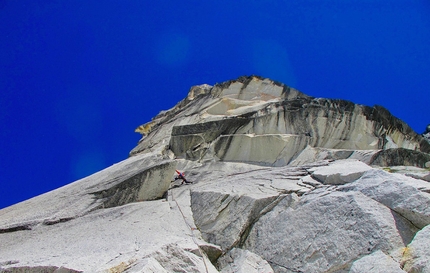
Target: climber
[[181, 176]]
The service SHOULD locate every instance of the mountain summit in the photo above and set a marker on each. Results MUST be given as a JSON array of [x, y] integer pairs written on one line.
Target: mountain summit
[[248, 175]]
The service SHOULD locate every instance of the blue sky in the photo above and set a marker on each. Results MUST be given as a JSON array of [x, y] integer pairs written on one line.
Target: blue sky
[[78, 76]]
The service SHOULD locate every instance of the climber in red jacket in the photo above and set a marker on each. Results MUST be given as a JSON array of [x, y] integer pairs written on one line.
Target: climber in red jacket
[[181, 176]]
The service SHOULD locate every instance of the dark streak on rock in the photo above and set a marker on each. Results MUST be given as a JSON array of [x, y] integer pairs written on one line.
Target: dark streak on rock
[[15, 228], [400, 157], [56, 221]]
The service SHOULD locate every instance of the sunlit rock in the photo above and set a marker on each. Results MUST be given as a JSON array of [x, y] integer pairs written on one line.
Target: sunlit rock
[[340, 172], [377, 262], [276, 181], [243, 261], [416, 254]]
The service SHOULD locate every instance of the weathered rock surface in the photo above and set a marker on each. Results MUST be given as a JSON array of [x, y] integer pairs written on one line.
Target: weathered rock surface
[[280, 182], [243, 261], [415, 172], [400, 157], [324, 232], [426, 133], [416, 256], [139, 178], [377, 262], [338, 173], [404, 195], [230, 121]]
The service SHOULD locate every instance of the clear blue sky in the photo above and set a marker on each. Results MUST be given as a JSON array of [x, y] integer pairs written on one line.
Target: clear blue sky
[[77, 77]]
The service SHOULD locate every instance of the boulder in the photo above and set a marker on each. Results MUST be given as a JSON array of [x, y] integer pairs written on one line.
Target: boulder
[[224, 218], [400, 193], [324, 232], [377, 262], [243, 261], [400, 157], [416, 255], [411, 171], [340, 172]]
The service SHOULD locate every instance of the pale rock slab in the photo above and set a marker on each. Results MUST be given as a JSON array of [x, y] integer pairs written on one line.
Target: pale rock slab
[[323, 232], [38, 269], [377, 262], [107, 239], [225, 203], [415, 172], [243, 261], [175, 258], [416, 256], [147, 265], [223, 218], [340, 172], [308, 180], [400, 193], [268, 149], [139, 178], [315, 154]]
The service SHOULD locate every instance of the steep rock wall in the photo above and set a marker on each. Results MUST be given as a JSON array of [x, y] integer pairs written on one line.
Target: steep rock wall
[[205, 124]]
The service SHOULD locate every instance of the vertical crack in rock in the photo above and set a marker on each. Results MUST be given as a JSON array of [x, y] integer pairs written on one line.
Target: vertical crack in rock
[[396, 194], [338, 226], [247, 229], [223, 219]]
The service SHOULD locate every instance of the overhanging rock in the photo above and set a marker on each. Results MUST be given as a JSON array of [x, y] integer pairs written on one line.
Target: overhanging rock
[[268, 149], [138, 178], [253, 110]]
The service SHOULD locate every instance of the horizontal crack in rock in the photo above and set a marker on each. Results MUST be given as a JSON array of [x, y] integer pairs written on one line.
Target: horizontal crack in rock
[[15, 228]]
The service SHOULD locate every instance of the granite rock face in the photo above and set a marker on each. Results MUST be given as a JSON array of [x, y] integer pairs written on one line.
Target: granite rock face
[[236, 120], [377, 262], [279, 182]]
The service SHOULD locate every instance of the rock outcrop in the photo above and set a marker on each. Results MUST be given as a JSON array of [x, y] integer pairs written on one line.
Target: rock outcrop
[[234, 120], [278, 182], [426, 133]]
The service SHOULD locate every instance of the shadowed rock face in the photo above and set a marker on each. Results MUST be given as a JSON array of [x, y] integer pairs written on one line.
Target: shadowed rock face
[[141, 178], [400, 157], [280, 182]]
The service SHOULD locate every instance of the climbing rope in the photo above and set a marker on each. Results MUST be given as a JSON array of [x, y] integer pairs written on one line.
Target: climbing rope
[[191, 230]]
